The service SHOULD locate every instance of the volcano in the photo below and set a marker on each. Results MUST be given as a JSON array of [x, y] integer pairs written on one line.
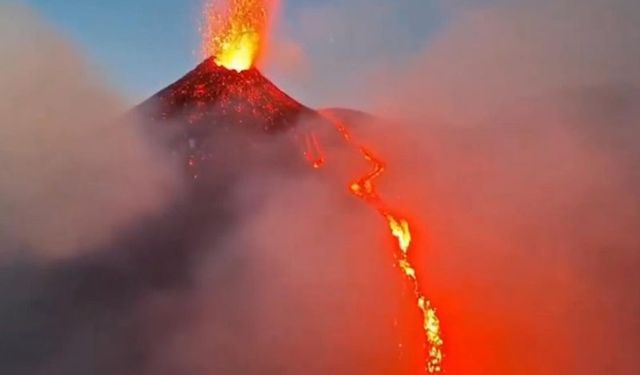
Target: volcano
[[212, 102]]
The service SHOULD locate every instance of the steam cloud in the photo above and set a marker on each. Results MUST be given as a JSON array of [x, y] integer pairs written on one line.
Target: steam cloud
[[514, 149], [75, 178], [72, 171]]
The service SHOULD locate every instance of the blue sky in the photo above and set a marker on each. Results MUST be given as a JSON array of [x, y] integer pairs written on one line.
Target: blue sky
[[143, 45]]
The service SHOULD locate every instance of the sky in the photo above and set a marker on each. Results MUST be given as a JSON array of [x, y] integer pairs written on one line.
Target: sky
[[143, 45]]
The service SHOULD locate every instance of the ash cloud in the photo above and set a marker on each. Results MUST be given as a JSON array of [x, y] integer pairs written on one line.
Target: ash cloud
[[73, 170], [82, 195]]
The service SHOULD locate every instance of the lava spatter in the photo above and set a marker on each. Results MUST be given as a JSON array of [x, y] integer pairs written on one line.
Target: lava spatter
[[235, 36]]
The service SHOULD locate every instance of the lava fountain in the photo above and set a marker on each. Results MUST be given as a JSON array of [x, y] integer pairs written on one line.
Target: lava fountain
[[235, 36]]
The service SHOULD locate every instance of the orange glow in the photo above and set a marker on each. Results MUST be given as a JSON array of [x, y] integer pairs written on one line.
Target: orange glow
[[399, 227], [236, 36]]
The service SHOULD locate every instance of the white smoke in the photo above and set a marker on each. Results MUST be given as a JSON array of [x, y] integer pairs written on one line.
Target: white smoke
[[73, 169]]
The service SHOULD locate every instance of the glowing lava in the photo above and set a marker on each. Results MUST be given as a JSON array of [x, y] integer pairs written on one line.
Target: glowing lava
[[235, 36], [313, 151], [365, 189]]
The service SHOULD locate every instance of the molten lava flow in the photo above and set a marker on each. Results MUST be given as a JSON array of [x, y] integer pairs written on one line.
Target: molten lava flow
[[235, 37], [365, 189], [313, 151]]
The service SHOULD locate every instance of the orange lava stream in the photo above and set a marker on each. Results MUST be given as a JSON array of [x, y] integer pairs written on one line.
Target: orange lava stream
[[313, 151], [365, 189]]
